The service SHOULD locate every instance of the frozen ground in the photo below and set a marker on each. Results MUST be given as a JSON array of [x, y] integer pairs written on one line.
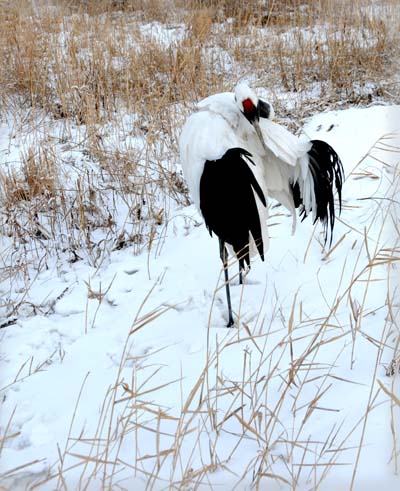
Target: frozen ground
[[124, 376]]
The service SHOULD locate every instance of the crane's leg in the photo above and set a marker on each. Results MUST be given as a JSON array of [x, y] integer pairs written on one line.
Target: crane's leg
[[224, 258], [241, 269]]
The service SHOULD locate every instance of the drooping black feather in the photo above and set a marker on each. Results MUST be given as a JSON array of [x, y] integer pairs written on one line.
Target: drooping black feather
[[327, 173], [228, 203]]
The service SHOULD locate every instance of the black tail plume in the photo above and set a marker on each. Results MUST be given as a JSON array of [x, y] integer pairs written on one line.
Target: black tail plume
[[327, 172]]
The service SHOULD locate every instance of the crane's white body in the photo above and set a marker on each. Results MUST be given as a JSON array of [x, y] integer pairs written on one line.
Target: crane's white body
[[219, 125], [233, 157]]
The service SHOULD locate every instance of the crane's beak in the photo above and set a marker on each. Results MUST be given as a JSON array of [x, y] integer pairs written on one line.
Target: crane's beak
[[256, 125]]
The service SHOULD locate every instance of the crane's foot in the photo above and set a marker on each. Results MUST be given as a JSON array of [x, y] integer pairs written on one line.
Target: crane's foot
[[231, 322]]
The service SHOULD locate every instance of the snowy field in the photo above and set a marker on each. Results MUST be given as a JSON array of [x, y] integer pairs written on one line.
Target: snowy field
[[124, 376], [116, 369]]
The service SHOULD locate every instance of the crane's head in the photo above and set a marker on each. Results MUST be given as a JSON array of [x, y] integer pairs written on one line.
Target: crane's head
[[252, 108], [247, 102]]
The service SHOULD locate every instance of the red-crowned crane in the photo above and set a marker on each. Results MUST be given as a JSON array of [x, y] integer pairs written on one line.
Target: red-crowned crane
[[233, 156]]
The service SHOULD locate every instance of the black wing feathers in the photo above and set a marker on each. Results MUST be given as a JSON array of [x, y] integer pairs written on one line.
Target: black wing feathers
[[327, 173], [228, 203]]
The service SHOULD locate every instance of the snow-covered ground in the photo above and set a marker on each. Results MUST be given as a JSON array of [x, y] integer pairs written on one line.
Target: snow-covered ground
[[126, 377]]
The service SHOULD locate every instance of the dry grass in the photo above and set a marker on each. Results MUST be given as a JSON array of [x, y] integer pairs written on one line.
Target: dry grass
[[86, 66]]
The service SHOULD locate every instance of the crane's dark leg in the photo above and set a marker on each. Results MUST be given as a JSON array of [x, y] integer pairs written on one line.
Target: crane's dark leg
[[224, 258]]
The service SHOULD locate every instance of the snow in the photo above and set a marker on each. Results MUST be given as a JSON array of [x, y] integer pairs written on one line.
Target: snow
[[162, 34], [136, 350]]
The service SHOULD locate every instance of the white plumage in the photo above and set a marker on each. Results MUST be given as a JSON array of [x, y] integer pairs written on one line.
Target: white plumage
[[233, 156]]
